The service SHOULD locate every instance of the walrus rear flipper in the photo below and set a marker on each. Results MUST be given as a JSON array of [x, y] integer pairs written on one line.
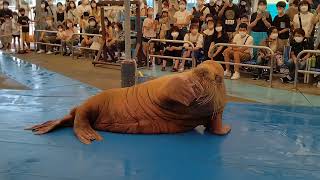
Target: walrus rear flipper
[[49, 126]]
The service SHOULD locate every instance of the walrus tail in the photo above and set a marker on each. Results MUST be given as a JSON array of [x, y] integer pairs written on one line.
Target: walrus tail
[[49, 126]]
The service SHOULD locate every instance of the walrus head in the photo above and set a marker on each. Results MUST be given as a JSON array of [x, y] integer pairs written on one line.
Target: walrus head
[[210, 76]]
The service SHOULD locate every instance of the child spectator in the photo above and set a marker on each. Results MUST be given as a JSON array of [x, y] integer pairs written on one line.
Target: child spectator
[[260, 22], [60, 13], [95, 10], [220, 36], [238, 53], [72, 12], [208, 38], [265, 57], [15, 31], [182, 17], [298, 44], [149, 30], [197, 39], [91, 29], [69, 39], [6, 29], [201, 11], [172, 49], [164, 25], [23, 21], [230, 15], [48, 37], [282, 23]]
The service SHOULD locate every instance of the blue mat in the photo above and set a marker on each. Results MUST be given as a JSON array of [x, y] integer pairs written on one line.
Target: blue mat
[[266, 142]]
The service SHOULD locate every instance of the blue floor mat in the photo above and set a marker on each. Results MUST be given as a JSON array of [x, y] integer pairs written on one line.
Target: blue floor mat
[[266, 142]]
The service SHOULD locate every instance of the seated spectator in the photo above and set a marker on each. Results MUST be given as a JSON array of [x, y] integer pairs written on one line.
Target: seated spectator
[[117, 43], [172, 49], [164, 24], [7, 30], [230, 15], [200, 12], [182, 17], [244, 19], [220, 36], [298, 44], [197, 39], [282, 23], [60, 35], [260, 23], [60, 13], [239, 54], [69, 38], [208, 36], [91, 29], [204, 25], [48, 37], [265, 57]]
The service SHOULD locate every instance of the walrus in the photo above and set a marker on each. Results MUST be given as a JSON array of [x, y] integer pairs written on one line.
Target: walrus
[[170, 104]]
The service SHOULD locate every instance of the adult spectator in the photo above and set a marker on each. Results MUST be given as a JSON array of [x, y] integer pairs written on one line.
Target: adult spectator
[[282, 23], [230, 15]]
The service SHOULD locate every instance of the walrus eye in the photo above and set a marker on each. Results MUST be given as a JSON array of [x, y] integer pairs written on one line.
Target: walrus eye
[[218, 79]]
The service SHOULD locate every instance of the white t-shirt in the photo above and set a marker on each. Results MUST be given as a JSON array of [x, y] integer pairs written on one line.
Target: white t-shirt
[[195, 39], [306, 20], [182, 16], [148, 28], [247, 40]]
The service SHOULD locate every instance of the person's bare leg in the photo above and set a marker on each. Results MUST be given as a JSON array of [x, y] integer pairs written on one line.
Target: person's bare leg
[[236, 56], [185, 55], [176, 64], [216, 125], [164, 63], [227, 53], [49, 126]]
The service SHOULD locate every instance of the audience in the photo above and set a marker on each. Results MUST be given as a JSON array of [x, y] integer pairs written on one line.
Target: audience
[[219, 36], [282, 23]]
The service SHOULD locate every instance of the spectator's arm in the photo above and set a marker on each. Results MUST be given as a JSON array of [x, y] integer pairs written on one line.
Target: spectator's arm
[[220, 14], [186, 38], [199, 44], [267, 21]]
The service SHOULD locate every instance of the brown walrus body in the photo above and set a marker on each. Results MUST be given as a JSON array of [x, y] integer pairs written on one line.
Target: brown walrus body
[[170, 104]]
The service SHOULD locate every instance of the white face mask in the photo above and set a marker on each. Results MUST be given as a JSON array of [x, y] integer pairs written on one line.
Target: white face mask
[[116, 29], [262, 7], [219, 2], [303, 8], [182, 7], [92, 23], [219, 28], [60, 30], [298, 39], [69, 25], [175, 34], [243, 3], [43, 5], [274, 35], [242, 33]]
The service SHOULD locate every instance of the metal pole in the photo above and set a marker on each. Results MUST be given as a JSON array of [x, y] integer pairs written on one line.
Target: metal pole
[[127, 29]]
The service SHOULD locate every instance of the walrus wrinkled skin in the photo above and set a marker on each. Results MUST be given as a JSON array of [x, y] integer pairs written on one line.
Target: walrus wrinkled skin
[[170, 104]]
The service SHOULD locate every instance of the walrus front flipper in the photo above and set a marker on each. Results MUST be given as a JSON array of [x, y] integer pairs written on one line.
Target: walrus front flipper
[[181, 89]]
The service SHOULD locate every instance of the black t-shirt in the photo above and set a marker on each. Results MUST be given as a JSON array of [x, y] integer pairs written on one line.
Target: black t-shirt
[[296, 48], [260, 26], [60, 17], [282, 23], [223, 39], [24, 21], [169, 37], [230, 17]]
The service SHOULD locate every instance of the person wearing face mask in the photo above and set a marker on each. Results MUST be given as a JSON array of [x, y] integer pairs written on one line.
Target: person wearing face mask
[[40, 21], [91, 29], [25, 5], [219, 36], [298, 44], [7, 30], [60, 35], [117, 43], [260, 22], [24, 21], [264, 56], [48, 37], [149, 28], [208, 36], [239, 54], [245, 7], [83, 7], [60, 15], [72, 12], [200, 11], [172, 49], [197, 39], [230, 14], [164, 25], [182, 17], [282, 23], [69, 39], [305, 19]]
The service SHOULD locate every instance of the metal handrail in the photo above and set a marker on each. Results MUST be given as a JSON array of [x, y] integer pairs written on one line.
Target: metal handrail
[[37, 42], [172, 57], [84, 34], [250, 65], [303, 71]]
